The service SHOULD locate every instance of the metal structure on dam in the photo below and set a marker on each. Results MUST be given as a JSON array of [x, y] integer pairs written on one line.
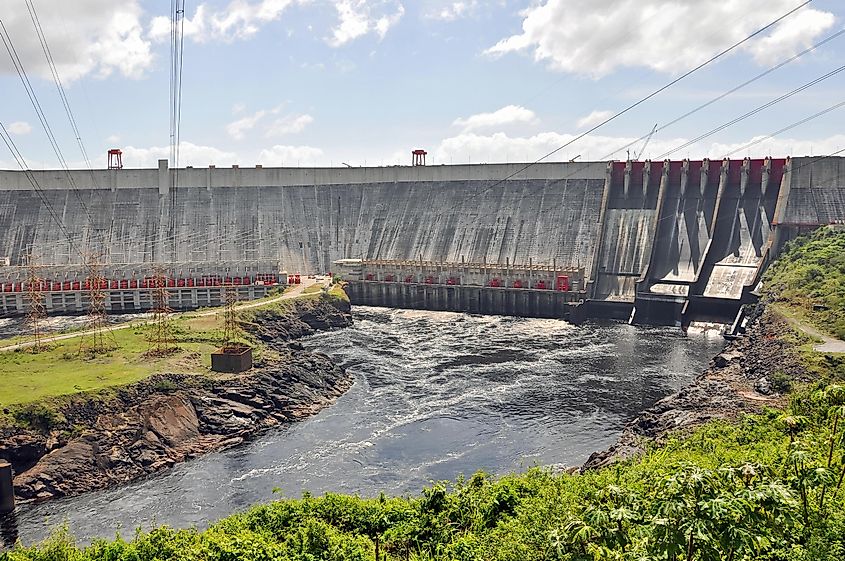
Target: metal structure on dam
[[665, 242]]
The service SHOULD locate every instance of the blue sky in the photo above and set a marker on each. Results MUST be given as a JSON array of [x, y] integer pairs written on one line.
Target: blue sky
[[321, 82]]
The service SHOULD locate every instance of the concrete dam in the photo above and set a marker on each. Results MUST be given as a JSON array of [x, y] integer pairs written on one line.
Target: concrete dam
[[667, 242]]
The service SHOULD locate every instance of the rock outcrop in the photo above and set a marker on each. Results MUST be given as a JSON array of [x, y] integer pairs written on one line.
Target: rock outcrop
[[170, 418]]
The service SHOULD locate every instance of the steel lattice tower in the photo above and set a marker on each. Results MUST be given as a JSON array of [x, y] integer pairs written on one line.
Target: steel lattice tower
[[35, 303]]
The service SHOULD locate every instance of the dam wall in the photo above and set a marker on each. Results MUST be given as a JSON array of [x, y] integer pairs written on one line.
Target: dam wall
[[664, 242], [307, 219]]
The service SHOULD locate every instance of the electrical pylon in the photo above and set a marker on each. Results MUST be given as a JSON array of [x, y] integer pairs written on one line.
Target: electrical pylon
[[35, 304], [99, 339], [230, 316], [161, 336]]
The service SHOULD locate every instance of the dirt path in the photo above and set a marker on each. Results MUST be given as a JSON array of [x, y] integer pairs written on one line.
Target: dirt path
[[828, 345], [296, 292]]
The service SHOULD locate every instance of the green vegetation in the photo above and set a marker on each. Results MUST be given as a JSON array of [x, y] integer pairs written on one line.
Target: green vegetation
[[768, 487], [808, 281], [62, 370]]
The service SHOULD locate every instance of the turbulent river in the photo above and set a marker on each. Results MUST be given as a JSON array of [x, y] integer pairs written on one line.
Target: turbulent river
[[436, 395]]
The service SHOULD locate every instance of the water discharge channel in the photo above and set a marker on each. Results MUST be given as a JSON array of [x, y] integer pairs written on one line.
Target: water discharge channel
[[436, 395]]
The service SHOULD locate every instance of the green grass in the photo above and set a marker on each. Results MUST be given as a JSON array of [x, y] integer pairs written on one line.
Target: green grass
[[63, 370]]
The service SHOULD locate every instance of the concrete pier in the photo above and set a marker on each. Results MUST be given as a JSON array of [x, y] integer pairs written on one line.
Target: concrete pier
[[7, 490]]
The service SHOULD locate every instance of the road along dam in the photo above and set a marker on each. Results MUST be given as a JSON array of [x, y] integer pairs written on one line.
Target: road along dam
[[655, 242]]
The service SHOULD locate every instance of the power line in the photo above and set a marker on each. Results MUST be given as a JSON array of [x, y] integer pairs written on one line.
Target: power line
[[730, 91], [19, 159], [648, 97], [45, 47], [786, 128], [754, 111], [36, 104], [177, 42]]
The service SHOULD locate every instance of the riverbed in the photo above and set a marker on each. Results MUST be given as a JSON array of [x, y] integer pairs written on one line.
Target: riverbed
[[436, 395]]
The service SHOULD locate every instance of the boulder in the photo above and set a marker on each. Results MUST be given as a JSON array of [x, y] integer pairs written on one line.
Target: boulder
[[172, 418]]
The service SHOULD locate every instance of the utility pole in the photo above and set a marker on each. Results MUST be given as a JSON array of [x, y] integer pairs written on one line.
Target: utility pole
[[35, 301]]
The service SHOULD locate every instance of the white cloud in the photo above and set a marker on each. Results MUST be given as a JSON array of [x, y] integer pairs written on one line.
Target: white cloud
[[113, 139], [189, 155], [450, 11], [594, 118], [19, 127], [239, 20], [238, 129], [290, 124], [508, 115], [499, 147], [360, 17], [242, 19], [793, 35], [87, 36], [290, 156], [769, 146], [594, 37]]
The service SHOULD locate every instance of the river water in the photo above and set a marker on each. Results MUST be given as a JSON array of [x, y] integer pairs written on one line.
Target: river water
[[436, 395]]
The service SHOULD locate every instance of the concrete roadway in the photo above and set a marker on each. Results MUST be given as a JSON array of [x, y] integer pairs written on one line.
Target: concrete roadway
[[296, 292]]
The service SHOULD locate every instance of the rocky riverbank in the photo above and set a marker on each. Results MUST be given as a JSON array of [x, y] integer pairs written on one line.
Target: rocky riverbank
[[752, 372], [95, 441]]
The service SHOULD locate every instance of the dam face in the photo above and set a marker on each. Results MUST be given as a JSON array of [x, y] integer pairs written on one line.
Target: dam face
[[657, 241]]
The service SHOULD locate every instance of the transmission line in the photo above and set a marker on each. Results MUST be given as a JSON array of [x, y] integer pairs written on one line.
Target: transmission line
[[732, 91], [754, 111], [786, 128], [19, 159], [177, 42], [45, 47], [646, 98], [42, 118]]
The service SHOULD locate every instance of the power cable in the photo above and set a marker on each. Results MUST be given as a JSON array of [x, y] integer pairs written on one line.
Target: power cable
[[729, 92], [177, 42], [21, 161], [45, 47], [786, 128], [648, 97], [754, 111], [701, 137], [36, 104]]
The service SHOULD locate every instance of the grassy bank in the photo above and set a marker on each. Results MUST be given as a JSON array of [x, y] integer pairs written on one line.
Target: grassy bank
[[768, 487], [808, 281], [63, 370]]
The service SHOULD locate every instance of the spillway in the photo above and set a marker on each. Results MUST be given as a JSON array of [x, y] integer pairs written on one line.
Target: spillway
[[661, 242]]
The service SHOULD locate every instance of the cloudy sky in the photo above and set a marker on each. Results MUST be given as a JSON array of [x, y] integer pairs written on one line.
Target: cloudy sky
[[323, 82]]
